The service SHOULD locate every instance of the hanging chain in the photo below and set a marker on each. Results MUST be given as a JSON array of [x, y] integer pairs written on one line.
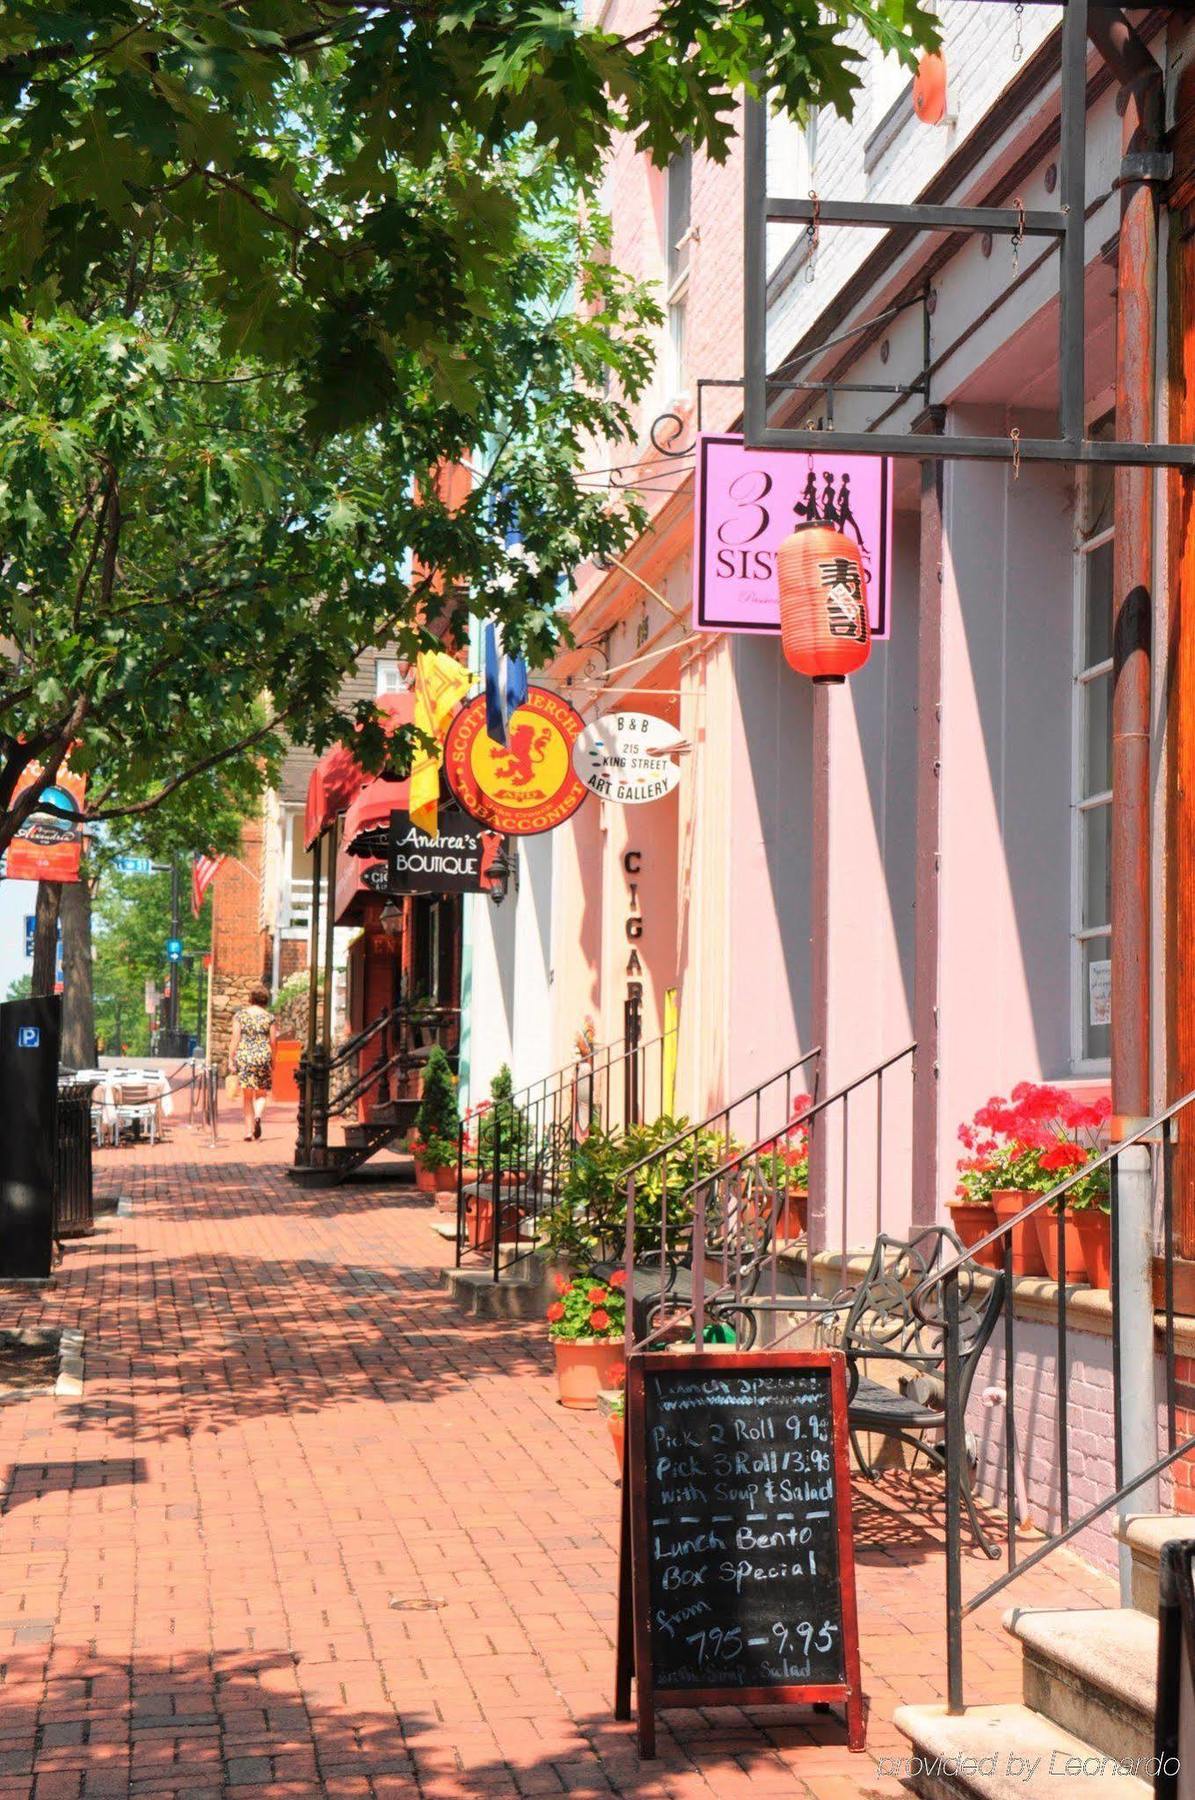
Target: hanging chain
[[1015, 435], [1018, 48], [813, 234], [1018, 236]]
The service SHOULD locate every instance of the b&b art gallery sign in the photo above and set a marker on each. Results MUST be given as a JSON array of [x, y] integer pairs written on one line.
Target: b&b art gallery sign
[[749, 500]]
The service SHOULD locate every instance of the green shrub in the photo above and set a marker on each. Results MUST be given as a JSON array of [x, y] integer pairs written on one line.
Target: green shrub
[[588, 1222], [503, 1118], [438, 1121]]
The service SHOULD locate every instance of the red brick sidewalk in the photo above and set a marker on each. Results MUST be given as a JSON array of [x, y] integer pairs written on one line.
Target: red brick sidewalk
[[309, 1532]]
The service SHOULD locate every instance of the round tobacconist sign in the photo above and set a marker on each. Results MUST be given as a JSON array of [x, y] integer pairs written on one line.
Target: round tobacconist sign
[[624, 757], [527, 785]]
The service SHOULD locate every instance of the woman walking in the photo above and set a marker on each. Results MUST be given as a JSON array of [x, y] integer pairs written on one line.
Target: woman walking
[[251, 1052]]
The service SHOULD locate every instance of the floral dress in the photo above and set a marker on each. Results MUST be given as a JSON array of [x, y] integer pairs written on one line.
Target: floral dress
[[253, 1060]]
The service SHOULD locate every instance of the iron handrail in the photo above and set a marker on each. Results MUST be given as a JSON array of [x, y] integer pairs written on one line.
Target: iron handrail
[[722, 1112], [798, 1119], [946, 1316], [746, 1270], [533, 1184], [359, 1040], [364, 1081]]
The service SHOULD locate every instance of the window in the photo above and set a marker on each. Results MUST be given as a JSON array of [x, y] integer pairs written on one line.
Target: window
[[389, 676], [1091, 791], [679, 205]]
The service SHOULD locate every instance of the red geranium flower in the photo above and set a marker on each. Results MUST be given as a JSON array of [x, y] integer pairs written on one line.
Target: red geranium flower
[[563, 1284], [556, 1312], [618, 1279], [596, 1296], [599, 1318]]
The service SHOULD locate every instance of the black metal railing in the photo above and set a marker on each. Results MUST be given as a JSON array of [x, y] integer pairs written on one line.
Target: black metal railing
[[741, 1241], [524, 1145], [74, 1210], [938, 1299]]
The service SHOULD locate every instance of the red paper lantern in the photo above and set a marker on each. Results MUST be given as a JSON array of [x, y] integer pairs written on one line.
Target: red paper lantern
[[824, 628], [929, 88]]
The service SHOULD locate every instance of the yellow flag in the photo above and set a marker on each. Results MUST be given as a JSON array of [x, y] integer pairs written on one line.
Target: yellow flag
[[440, 683]]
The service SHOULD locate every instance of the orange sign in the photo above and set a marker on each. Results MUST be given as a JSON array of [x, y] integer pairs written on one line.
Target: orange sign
[[48, 847], [529, 785]]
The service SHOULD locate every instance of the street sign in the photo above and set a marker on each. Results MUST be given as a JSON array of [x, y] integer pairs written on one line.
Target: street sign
[[174, 949], [135, 865], [28, 1037]]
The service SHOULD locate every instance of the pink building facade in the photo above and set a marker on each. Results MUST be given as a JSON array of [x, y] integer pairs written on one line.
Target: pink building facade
[[913, 867]]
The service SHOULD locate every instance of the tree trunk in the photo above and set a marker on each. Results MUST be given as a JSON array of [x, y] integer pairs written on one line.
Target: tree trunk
[[45, 936], [78, 1005]]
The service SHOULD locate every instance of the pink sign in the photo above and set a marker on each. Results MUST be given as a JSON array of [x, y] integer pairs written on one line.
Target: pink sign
[[749, 500]]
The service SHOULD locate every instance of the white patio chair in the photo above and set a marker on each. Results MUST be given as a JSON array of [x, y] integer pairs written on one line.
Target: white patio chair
[[137, 1107]]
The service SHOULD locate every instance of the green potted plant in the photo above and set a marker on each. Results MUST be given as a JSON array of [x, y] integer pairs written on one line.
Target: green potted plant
[[504, 1148], [587, 1328], [588, 1222], [437, 1126], [503, 1126]]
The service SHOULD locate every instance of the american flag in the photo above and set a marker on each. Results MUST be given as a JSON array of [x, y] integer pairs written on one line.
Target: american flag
[[203, 871]]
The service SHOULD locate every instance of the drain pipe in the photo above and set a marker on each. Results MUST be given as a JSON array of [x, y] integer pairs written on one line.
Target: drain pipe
[[1142, 170]]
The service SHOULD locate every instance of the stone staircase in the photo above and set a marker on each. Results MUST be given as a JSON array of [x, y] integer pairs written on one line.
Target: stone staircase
[[1089, 1678]]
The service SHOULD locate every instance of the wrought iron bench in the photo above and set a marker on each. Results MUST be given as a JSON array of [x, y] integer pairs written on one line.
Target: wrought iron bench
[[876, 1321]]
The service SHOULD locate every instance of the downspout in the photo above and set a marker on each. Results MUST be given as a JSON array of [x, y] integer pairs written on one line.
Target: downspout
[[1142, 170]]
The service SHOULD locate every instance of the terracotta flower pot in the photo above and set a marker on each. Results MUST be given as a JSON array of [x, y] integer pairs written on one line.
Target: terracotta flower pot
[[1026, 1251], [584, 1366], [972, 1220], [479, 1222], [792, 1216], [425, 1179], [1073, 1267], [617, 1425], [1094, 1227]]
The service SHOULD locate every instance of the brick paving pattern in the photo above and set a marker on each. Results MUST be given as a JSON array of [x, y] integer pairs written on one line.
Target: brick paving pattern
[[308, 1531]]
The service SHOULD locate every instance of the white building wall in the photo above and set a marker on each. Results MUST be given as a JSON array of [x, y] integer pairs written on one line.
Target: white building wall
[[17, 899]]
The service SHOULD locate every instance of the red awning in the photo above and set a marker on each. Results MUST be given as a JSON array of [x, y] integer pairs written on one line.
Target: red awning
[[338, 777], [369, 811]]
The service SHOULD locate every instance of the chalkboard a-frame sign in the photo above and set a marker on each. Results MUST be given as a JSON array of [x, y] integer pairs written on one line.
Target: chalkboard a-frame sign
[[737, 1576]]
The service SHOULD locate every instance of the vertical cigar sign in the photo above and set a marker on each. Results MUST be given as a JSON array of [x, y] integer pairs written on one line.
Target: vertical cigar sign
[[749, 500]]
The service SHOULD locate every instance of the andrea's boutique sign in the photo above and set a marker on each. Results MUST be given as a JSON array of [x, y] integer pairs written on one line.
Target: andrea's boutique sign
[[749, 500]]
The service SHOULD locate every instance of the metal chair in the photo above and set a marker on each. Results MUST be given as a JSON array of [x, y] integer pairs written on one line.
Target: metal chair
[[876, 1321]]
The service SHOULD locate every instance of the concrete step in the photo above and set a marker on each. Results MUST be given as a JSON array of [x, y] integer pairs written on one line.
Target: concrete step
[[1092, 1671], [1008, 1753], [479, 1295], [1145, 1534]]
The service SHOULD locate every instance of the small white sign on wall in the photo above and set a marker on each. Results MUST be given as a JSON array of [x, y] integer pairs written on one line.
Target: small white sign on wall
[[624, 756], [1099, 993]]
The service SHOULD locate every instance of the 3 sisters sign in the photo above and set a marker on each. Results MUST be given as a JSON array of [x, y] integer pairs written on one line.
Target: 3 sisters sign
[[749, 500]]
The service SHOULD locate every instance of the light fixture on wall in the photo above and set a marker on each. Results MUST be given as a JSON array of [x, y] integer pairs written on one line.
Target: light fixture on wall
[[500, 874], [391, 919]]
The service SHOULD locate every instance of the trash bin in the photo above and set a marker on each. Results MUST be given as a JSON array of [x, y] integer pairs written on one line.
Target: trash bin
[[286, 1065]]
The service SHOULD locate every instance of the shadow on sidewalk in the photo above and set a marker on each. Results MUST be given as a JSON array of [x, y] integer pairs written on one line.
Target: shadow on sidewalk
[[242, 1723]]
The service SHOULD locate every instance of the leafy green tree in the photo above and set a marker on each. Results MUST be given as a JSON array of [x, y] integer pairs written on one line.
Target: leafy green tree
[[333, 162], [172, 544], [132, 923], [265, 268]]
